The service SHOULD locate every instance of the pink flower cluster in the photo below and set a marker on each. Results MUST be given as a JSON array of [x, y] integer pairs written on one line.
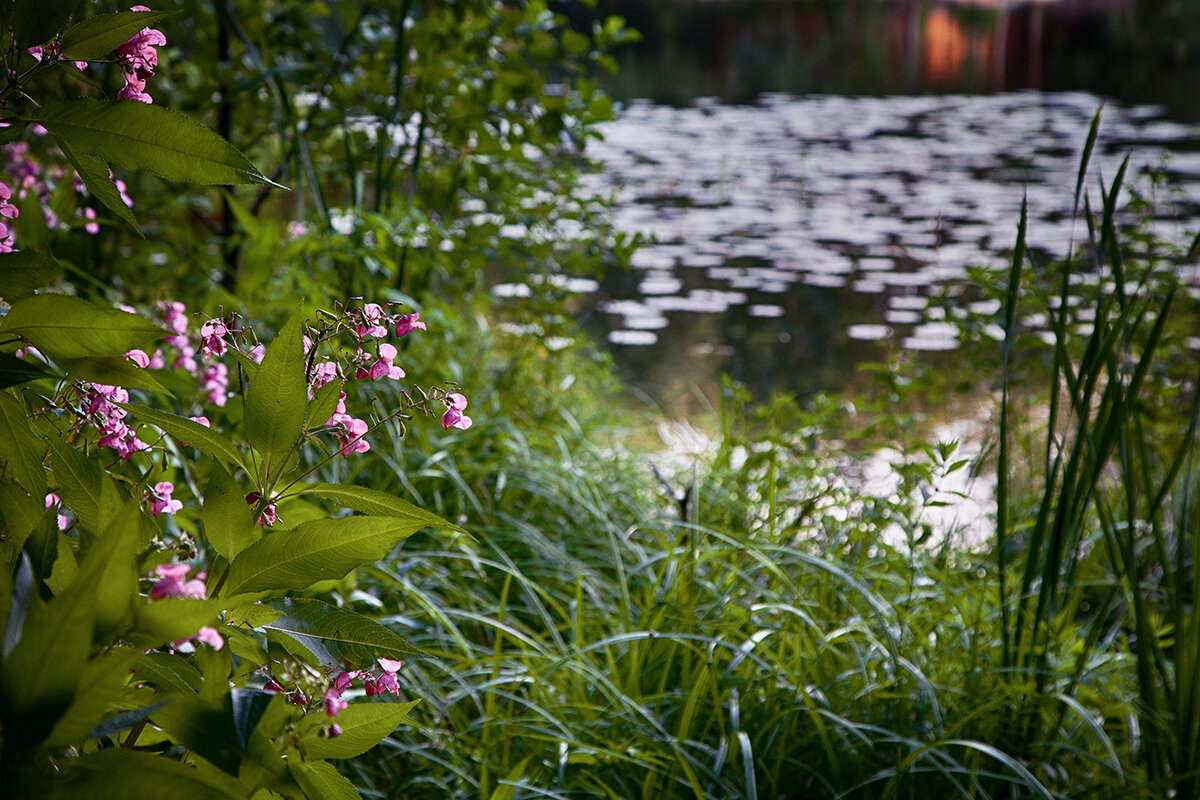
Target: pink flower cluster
[[173, 582], [138, 58], [99, 405], [7, 212], [160, 499], [374, 682]]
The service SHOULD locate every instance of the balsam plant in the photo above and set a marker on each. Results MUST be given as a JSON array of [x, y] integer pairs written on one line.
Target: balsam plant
[[157, 612]]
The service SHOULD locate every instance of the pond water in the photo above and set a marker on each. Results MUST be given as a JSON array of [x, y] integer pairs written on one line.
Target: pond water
[[799, 233]]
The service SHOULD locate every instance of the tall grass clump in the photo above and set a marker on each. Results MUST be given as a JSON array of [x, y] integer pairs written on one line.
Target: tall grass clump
[[749, 622]]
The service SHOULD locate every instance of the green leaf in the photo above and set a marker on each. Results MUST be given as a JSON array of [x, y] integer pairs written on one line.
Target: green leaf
[[193, 434], [84, 487], [278, 397], [98, 36], [125, 720], [204, 727], [119, 774], [70, 327], [334, 636], [170, 619], [22, 514], [36, 21], [19, 446], [26, 271], [248, 706], [111, 371], [253, 615], [372, 501], [320, 781], [320, 550], [228, 521], [95, 174], [105, 684], [363, 725], [168, 671], [136, 135], [323, 405], [15, 371], [107, 579]]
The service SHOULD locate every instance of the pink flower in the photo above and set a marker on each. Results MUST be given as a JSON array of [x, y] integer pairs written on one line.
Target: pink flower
[[454, 418], [372, 314], [409, 323], [51, 500], [351, 439], [343, 681], [296, 229], [7, 211], [171, 583], [267, 516], [386, 682], [334, 703], [257, 352], [272, 686], [383, 366], [323, 373], [139, 357], [137, 56], [335, 730], [160, 499], [175, 317], [216, 382], [210, 335], [208, 635], [91, 226]]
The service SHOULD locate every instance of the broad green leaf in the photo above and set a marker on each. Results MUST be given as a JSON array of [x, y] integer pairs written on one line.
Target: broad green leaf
[[111, 371], [15, 371], [136, 135], [119, 774], [320, 781], [245, 646], [107, 579], [168, 671], [323, 405], [248, 707], [278, 397], [40, 677], [125, 720], [363, 725], [104, 683], [36, 21], [98, 36], [84, 487], [372, 501], [334, 636], [66, 565], [204, 727], [23, 272], [193, 434], [19, 446], [228, 521], [95, 174], [70, 327], [320, 550], [21, 512], [252, 615], [170, 619]]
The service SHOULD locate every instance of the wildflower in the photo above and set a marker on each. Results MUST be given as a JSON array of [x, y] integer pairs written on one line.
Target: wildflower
[[51, 500], [296, 229], [382, 367], [351, 438], [172, 583], [7, 211], [208, 635], [386, 682], [138, 58], [257, 352], [323, 373], [335, 730], [372, 315], [454, 418], [210, 336], [342, 682], [175, 317], [267, 516], [215, 381], [139, 357], [160, 499], [334, 703], [409, 323], [272, 686]]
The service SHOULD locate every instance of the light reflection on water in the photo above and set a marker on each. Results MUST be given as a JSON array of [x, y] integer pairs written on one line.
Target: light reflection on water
[[795, 237]]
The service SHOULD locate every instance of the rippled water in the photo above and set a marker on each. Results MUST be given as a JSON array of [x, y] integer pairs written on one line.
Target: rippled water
[[798, 236]]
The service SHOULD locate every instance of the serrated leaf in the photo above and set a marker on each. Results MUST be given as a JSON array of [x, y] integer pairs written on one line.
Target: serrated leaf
[[373, 501], [119, 774], [107, 578], [323, 404], [95, 174], [320, 781], [278, 397], [229, 524], [324, 549], [168, 671], [111, 371], [105, 679], [98, 36], [21, 512], [334, 636], [15, 371], [84, 487], [36, 21], [25, 271], [137, 135], [19, 446], [170, 619], [252, 615], [193, 434], [204, 727], [363, 725], [64, 327]]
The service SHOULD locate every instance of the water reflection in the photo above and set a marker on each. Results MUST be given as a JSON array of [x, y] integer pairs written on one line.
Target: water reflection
[[795, 235]]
